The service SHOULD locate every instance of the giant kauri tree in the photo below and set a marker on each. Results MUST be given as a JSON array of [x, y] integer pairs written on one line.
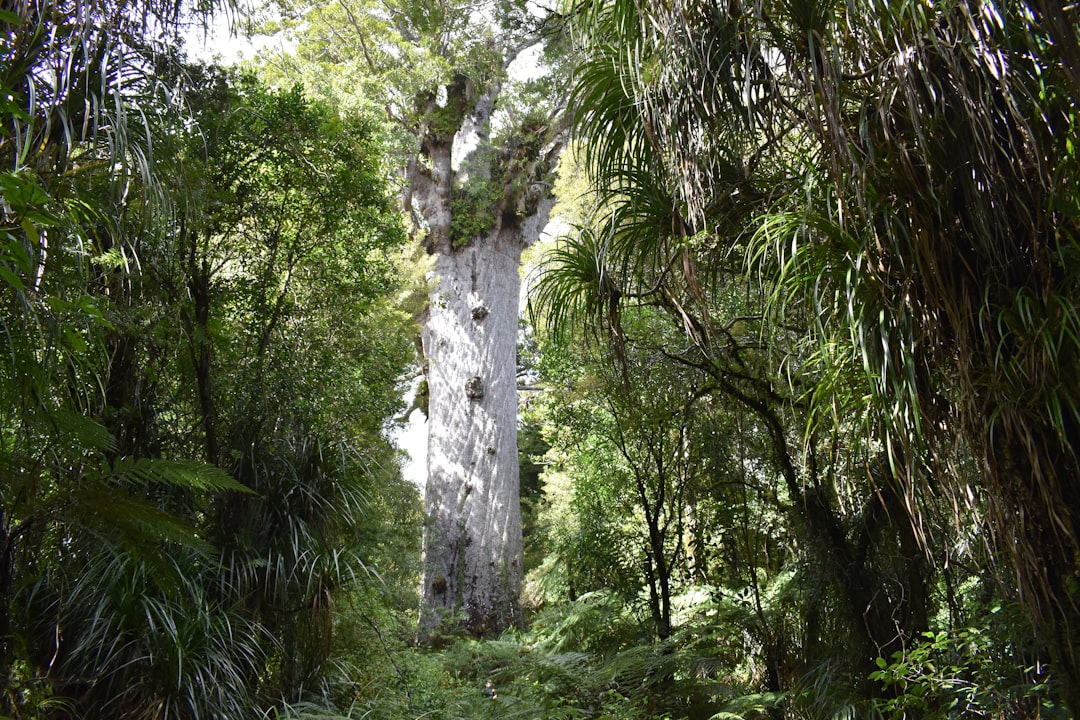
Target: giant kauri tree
[[477, 152]]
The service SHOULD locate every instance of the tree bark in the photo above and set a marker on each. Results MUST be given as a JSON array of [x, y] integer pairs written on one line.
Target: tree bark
[[472, 565], [472, 545]]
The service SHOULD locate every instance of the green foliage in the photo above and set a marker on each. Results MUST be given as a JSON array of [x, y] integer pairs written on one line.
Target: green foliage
[[395, 55], [780, 183], [812, 352], [581, 660], [474, 206], [490, 180], [202, 353], [297, 358], [152, 639], [961, 674]]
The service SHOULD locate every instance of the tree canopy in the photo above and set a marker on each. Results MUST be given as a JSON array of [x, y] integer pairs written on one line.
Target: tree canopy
[[203, 351], [796, 388]]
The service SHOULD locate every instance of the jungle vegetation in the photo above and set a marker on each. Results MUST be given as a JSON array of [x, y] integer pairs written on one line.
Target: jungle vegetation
[[798, 400]]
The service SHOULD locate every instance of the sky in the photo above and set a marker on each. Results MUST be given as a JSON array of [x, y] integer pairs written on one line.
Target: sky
[[218, 43]]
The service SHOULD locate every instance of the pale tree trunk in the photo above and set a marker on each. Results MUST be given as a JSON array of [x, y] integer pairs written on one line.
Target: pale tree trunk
[[472, 545], [472, 566]]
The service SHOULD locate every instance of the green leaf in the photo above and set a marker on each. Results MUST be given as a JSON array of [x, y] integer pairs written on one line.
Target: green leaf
[[22, 191], [11, 278], [87, 432], [31, 231], [141, 525], [189, 474]]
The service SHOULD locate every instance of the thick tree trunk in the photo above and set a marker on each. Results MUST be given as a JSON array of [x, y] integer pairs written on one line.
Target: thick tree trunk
[[472, 567], [472, 546]]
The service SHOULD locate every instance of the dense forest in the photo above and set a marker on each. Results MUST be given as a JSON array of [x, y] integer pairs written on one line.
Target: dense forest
[[776, 420]]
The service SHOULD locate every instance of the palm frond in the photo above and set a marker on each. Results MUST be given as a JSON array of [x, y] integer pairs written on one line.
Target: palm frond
[[187, 474], [574, 285]]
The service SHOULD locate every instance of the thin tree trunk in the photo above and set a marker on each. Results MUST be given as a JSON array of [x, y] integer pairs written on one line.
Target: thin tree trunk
[[7, 657], [197, 324]]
